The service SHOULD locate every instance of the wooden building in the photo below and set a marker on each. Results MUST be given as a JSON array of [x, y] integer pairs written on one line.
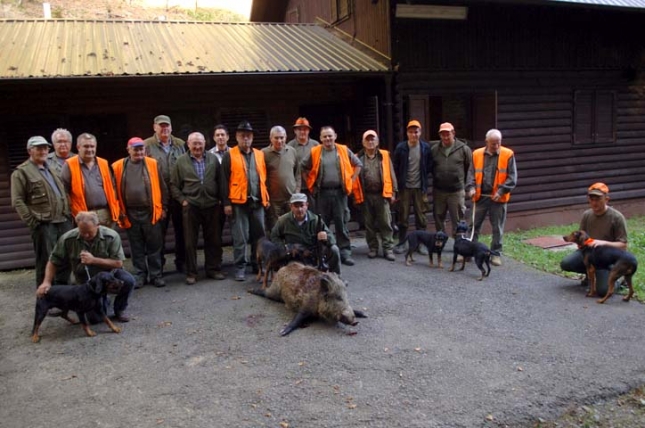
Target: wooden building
[[111, 78], [562, 79]]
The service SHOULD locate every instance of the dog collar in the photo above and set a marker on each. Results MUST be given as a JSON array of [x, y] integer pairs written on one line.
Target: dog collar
[[586, 243]]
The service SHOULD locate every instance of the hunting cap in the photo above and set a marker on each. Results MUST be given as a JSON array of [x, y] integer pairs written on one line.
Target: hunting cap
[[368, 133], [598, 189], [135, 142], [302, 122], [298, 198], [446, 126], [162, 118], [413, 123], [36, 141]]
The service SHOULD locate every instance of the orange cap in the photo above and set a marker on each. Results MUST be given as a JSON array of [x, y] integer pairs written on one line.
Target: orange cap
[[368, 133], [413, 123], [446, 126], [598, 189], [302, 122]]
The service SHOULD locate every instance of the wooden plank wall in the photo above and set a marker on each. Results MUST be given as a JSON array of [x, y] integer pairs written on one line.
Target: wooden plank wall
[[534, 114]]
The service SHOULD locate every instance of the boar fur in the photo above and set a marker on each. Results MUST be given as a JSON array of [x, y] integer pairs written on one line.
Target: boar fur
[[311, 294]]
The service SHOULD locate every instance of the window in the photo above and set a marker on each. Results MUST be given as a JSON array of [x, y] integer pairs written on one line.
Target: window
[[594, 117], [341, 9]]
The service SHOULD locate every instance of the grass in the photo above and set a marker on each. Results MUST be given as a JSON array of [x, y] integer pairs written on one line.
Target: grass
[[549, 261]]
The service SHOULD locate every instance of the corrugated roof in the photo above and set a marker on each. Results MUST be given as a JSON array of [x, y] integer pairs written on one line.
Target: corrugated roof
[[637, 4], [70, 48]]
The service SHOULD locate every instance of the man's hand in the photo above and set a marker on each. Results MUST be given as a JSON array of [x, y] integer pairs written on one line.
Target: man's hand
[[471, 193], [87, 258], [322, 235], [496, 197], [228, 210], [43, 289], [184, 203]]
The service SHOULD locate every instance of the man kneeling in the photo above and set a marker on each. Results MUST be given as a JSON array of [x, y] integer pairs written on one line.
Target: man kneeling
[[303, 227]]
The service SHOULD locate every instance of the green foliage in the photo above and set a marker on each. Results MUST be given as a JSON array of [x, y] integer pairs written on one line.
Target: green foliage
[[57, 12], [214, 15], [549, 261]]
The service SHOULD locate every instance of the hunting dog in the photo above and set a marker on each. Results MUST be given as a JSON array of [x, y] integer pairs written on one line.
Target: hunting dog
[[466, 248], [434, 242], [81, 299], [271, 257], [616, 261]]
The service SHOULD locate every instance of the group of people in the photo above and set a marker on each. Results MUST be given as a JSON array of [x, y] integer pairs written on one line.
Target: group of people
[[290, 191]]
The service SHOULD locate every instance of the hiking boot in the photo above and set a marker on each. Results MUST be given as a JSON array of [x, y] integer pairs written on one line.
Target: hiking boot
[[139, 283], [389, 255], [216, 275], [496, 260], [121, 317], [401, 248], [158, 282], [191, 280], [422, 250], [348, 261], [240, 274], [372, 254]]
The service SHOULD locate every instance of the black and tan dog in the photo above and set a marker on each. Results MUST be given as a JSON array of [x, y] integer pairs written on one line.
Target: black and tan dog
[[271, 257], [81, 299], [618, 262], [434, 242], [466, 248]]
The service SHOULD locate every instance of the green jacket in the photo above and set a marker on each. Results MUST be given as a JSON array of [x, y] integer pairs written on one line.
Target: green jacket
[[33, 198], [287, 231], [165, 161], [450, 172], [185, 184]]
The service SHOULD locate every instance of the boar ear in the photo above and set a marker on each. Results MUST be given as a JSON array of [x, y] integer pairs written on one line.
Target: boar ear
[[325, 283]]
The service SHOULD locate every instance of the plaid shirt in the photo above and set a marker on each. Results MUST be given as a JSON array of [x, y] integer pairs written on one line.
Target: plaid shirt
[[200, 166]]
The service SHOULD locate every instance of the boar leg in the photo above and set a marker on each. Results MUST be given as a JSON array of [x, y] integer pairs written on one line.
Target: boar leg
[[296, 322]]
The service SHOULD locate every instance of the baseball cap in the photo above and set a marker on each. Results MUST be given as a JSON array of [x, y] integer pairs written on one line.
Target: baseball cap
[[446, 126], [368, 133], [162, 118], [298, 197], [598, 189], [135, 142], [413, 123], [36, 141]]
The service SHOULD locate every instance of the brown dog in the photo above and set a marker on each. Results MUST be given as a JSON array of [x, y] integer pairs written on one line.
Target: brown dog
[[618, 262]]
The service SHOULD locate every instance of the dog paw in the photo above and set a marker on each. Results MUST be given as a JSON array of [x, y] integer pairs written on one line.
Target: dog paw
[[35, 338], [601, 301], [91, 333], [117, 329]]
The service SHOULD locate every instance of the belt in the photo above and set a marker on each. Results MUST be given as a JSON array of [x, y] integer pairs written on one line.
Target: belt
[[329, 189]]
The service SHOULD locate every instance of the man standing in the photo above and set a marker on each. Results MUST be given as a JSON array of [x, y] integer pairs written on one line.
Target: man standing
[[331, 170], [283, 174], [38, 196], [451, 160], [143, 201], [89, 182], [165, 149], [606, 226], [303, 145], [245, 181], [413, 167], [62, 142], [87, 250], [220, 136], [377, 183], [196, 183], [491, 178], [301, 226]]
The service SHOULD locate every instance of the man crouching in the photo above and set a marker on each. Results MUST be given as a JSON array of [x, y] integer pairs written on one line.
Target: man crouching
[[303, 227], [87, 250]]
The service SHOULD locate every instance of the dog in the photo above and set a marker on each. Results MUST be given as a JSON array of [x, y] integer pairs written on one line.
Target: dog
[[271, 257], [467, 248], [81, 299], [434, 242], [617, 261]]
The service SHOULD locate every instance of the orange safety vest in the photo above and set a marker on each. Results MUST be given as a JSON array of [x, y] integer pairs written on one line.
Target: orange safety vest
[[500, 175], [388, 190], [346, 168], [155, 187], [238, 181], [77, 192]]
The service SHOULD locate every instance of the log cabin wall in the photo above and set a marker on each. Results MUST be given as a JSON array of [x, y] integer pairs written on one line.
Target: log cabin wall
[[564, 85]]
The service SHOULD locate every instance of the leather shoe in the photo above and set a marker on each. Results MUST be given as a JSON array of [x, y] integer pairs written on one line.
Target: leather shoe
[[158, 282], [191, 280], [240, 275], [389, 255], [496, 260], [422, 250], [348, 261], [121, 317], [139, 283], [400, 248], [372, 254]]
